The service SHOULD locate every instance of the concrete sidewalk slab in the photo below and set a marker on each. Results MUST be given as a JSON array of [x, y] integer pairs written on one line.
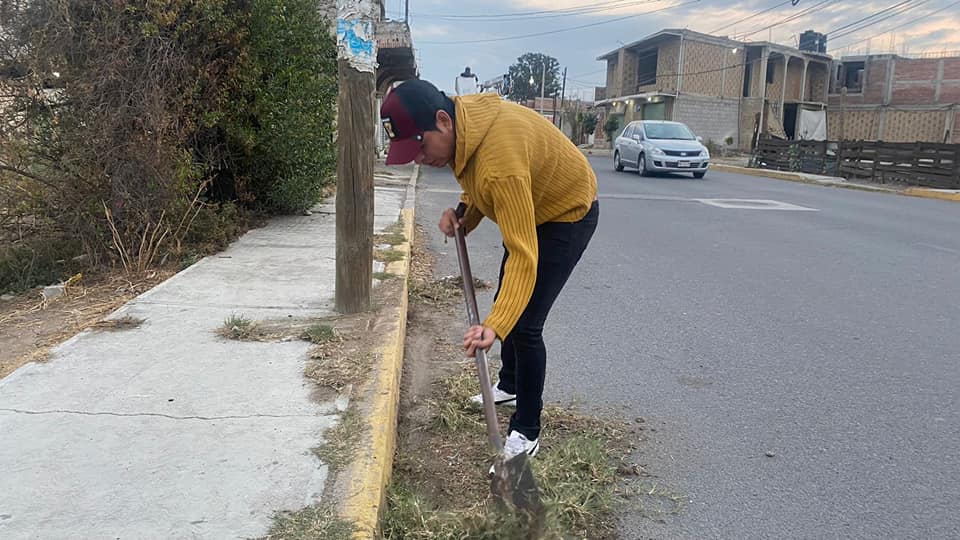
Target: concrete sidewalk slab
[[167, 430]]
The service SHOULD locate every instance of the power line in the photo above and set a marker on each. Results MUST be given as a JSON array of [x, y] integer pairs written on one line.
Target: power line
[[878, 21], [910, 22], [812, 9], [752, 15], [519, 14], [559, 30], [503, 17], [872, 15]]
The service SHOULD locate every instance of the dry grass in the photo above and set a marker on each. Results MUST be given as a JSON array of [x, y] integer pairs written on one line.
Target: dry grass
[[583, 473], [115, 325], [310, 523], [383, 276], [341, 441], [30, 325], [388, 255], [339, 372]]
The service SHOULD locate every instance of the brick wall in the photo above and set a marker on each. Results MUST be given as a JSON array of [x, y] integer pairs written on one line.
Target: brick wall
[[818, 76], [794, 79], [711, 118], [956, 128], [858, 125], [668, 60], [913, 126], [630, 62], [704, 62], [775, 89], [876, 80], [749, 107], [613, 84]]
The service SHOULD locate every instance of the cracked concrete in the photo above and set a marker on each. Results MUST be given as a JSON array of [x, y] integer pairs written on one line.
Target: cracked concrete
[[167, 430]]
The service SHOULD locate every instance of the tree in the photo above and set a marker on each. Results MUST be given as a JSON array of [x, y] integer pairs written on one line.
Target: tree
[[531, 65], [588, 122], [611, 126]]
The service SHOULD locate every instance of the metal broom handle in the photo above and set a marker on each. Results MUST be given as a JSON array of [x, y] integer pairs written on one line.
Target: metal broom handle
[[473, 318]]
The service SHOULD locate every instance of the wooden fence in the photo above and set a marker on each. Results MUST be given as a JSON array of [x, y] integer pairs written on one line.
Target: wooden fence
[[917, 164]]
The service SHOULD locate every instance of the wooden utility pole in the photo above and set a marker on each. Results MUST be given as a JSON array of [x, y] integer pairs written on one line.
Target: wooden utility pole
[[356, 57], [563, 91]]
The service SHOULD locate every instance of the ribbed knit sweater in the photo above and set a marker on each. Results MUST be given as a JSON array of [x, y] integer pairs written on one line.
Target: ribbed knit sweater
[[519, 170]]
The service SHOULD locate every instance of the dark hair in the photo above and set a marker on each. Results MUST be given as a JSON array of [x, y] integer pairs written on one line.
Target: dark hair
[[448, 106]]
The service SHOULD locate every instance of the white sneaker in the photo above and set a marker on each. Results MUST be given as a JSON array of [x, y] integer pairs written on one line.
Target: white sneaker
[[499, 397], [516, 444]]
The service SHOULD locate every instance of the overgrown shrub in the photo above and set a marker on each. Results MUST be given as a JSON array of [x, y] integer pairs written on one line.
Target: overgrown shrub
[[141, 129]]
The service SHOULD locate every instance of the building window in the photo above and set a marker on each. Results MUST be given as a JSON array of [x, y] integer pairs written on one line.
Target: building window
[[747, 79], [647, 68], [853, 76]]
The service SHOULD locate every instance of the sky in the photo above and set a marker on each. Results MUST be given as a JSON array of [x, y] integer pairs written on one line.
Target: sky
[[499, 27]]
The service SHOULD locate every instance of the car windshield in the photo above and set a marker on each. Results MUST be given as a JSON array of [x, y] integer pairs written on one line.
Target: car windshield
[[668, 131]]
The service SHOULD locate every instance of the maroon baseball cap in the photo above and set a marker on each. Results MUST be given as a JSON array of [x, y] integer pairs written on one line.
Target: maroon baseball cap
[[407, 111]]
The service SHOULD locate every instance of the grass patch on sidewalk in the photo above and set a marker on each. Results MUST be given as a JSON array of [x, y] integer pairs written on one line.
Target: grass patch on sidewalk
[[341, 441], [440, 488], [310, 523], [237, 327]]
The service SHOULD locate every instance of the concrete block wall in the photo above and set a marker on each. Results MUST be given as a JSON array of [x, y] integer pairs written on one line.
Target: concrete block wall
[[913, 126], [794, 79], [891, 125], [749, 107], [711, 118]]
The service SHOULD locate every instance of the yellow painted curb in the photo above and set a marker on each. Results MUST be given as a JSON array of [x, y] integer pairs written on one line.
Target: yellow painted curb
[[943, 195], [369, 473], [766, 173]]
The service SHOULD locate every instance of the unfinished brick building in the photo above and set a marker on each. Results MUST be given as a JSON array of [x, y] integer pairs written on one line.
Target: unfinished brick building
[[725, 90], [895, 99]]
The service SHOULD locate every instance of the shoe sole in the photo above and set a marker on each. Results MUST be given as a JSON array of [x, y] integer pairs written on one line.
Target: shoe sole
[[507, 402], [530, 453]]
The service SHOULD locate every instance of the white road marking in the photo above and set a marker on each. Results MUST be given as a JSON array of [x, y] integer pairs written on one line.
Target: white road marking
[[755, 204]]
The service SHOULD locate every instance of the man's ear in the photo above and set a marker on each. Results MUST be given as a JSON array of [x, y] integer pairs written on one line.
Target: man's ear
[[444, 122]]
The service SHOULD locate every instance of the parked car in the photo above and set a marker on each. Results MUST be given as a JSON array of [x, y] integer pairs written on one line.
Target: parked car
[[658, 146]]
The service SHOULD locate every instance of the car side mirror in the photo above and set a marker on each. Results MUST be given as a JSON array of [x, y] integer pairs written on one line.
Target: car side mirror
[[637, 138], [699, 139]]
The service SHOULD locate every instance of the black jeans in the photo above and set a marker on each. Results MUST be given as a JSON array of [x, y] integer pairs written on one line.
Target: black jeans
[[523, 354]]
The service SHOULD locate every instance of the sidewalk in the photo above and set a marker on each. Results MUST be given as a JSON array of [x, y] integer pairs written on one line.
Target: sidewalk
[[167, 430]]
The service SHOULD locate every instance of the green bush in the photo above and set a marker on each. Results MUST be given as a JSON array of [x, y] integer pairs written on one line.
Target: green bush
[[282, 127], [151, 129]]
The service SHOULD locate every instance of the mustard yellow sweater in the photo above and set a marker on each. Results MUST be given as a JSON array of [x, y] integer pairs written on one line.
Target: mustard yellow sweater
[[520, 171]]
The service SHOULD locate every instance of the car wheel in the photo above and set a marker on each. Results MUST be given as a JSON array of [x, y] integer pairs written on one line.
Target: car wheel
[[642, 166], [617, 164], [698, 174]]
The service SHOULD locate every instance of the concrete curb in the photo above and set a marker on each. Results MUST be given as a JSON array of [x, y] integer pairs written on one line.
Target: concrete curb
[[368, 475]]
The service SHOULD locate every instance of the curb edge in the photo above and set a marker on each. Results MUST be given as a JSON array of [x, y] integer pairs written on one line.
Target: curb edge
[[369, 473]]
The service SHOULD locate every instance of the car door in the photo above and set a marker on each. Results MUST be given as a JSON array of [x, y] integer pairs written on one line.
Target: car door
[[628, 145]]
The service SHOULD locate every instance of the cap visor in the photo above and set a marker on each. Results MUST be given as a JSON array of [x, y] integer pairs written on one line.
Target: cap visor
[[403, 151]]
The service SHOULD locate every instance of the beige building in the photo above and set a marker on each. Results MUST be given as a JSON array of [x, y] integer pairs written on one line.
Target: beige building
[[725, 90]]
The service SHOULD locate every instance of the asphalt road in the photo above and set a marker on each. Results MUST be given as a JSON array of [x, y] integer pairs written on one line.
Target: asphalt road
[[827, 337]]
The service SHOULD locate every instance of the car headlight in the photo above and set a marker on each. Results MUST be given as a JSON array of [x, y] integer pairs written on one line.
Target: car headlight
[[705, 153], [657, 152]]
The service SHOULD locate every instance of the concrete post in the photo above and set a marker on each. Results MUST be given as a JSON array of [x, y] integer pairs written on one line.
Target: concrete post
[[939, 83], [803, 81]]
